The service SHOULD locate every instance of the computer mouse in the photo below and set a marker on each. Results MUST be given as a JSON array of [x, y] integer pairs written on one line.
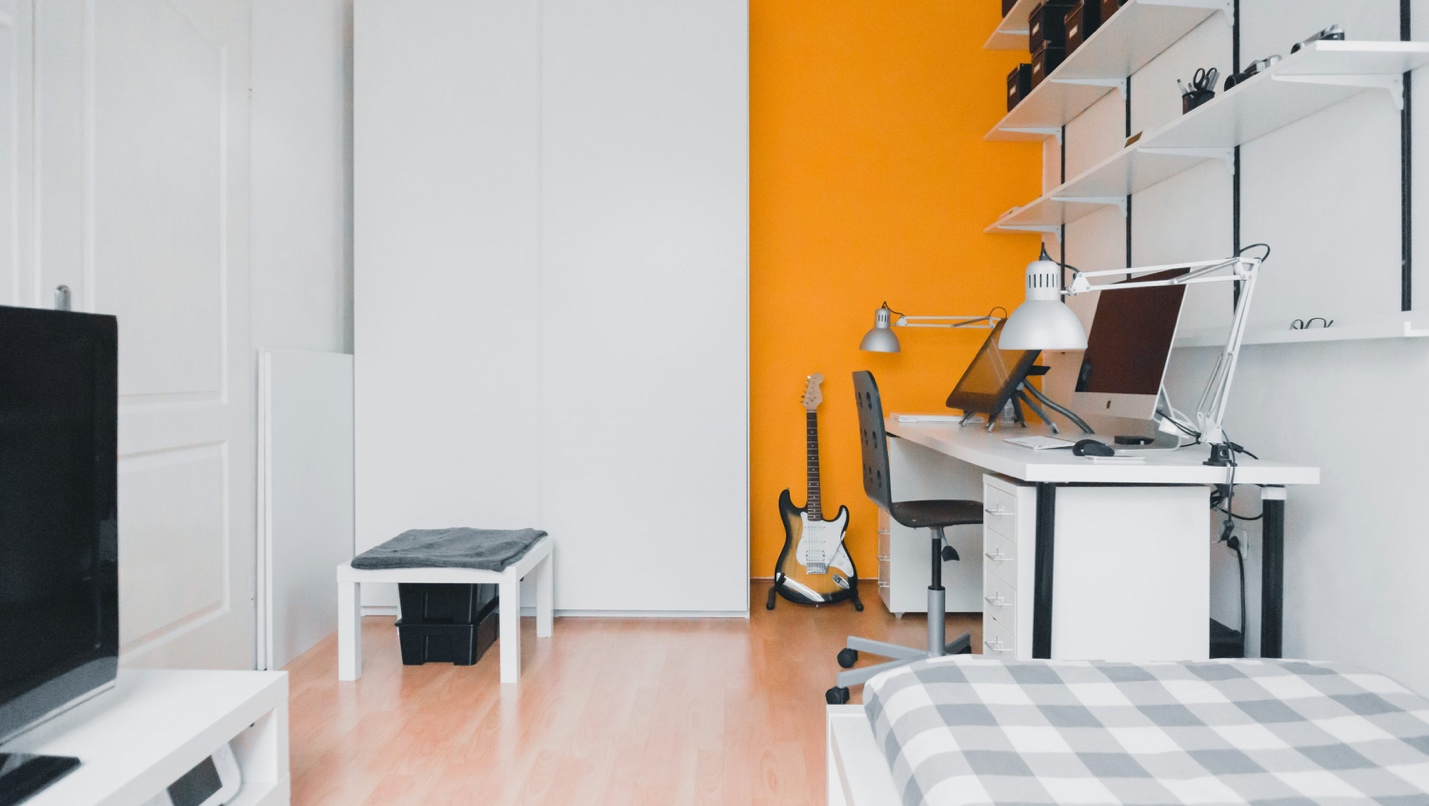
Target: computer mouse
[[1092, 447]]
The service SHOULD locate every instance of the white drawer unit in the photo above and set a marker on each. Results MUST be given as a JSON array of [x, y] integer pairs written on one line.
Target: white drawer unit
[[1124, 590], [905, 554], [1009, 543]]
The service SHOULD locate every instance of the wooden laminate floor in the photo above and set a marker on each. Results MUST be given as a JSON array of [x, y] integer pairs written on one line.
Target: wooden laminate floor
[[617, 711]]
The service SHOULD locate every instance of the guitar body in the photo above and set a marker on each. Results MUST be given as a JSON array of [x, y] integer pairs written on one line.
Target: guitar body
[[813, 567]]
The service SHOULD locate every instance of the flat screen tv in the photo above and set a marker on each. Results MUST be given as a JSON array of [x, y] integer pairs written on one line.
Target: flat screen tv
[[59, 606]]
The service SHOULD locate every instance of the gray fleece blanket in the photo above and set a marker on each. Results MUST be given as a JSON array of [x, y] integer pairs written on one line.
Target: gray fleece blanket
[[459, 547]]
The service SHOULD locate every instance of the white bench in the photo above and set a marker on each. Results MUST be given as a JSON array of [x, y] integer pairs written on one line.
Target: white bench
[[537, 558]]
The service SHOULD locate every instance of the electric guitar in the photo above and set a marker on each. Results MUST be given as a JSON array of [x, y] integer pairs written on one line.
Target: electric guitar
[[813, 567]]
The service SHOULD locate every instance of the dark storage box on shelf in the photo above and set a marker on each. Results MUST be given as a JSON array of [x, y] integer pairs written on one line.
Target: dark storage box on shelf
[[1081, 22], [446, 623], [1045, 61], [1108, 8], [1007, 6], [1047, 25], [1019, 83]]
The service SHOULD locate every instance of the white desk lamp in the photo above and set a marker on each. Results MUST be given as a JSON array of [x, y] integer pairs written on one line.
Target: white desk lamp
[[1044, 322], [882, 339]]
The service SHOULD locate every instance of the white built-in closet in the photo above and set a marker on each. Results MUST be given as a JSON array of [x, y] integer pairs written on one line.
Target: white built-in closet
[[551, 286]]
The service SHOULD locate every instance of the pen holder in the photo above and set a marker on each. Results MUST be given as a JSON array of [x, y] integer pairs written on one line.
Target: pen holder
[[1195, 98]]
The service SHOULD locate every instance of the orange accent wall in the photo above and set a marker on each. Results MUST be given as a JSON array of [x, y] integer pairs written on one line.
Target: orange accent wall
[[869, 181]]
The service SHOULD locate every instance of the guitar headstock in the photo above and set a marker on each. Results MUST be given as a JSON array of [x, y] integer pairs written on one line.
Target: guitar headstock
[[812, 396]]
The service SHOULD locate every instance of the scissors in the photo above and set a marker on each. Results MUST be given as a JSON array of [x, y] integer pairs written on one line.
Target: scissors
[[1205, 79]]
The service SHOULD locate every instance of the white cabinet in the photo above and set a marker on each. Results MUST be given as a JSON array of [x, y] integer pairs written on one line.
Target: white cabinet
[[1131, 568], [155, 725], [905, 554], [1009, 549]]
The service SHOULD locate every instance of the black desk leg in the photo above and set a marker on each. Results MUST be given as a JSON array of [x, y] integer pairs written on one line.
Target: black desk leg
[[1272, 572], [1042, 574]]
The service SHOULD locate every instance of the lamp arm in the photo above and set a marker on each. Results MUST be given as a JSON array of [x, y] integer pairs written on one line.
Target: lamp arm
[[1211, 410], [981, 322]]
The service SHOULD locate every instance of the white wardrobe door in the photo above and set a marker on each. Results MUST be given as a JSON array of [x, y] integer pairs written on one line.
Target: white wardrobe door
[[445, 151], [644, 301]]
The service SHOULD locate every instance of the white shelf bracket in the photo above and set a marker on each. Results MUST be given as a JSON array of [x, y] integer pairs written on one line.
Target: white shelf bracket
[[1118, 202], [1393, 83], [1118, 84], [1225, 155]]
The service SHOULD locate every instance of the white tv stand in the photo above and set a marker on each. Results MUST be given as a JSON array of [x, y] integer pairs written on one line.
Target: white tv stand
[[153, 726]]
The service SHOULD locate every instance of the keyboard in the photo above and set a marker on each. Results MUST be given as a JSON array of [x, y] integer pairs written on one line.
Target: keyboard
[[1039, 443]]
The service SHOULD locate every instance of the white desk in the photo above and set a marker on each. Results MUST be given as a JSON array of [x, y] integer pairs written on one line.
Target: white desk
[[977, 450]]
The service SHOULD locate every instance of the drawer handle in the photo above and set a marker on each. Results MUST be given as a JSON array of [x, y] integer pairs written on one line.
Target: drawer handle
[[998, 602], [998, 647], [883, 559], [999, 557], [999, 511]]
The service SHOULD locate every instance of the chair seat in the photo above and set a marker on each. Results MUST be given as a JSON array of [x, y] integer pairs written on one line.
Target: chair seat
[[930, 514]]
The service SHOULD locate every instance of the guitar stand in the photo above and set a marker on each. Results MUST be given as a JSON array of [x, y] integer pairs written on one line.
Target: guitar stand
[[777, 589]]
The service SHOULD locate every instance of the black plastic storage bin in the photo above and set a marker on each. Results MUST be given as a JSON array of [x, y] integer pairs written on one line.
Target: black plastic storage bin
[[447, 623], [443, 604], [461, 644]]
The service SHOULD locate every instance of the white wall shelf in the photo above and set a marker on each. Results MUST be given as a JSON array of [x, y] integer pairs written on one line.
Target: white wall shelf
[[1404, 326], [1011, 33], [1318, 77], [1125, 43]]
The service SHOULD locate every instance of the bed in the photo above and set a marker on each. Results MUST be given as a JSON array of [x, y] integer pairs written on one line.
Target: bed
[[969, 730]]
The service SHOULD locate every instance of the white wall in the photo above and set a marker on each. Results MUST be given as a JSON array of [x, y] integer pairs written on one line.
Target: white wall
[[1324, 194], [302, 174]]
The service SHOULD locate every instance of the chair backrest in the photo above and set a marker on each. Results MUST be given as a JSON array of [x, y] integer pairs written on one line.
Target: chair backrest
[[873, 440]]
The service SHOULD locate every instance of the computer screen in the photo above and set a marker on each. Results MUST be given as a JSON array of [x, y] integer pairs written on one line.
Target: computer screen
[[1128, 348], [992, 377]]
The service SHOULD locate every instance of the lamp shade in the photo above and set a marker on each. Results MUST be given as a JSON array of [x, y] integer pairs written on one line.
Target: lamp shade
[[881, 338], [1043, 322]]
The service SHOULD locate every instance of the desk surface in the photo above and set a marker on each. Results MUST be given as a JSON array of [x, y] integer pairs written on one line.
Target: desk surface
[[976, 446]]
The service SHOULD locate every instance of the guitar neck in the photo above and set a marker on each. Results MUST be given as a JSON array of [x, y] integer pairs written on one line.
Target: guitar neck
[[813, 504]]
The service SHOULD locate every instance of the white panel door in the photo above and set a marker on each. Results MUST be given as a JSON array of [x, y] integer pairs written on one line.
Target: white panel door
[[142, 193], [644, 301]]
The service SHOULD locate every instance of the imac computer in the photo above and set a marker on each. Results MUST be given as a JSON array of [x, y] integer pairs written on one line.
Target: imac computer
[[1128, 348]]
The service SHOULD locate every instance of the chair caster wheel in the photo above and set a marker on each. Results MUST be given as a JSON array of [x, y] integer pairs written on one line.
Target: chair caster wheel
[[769, 605], [836, 696], [848, 657], [858, 606]]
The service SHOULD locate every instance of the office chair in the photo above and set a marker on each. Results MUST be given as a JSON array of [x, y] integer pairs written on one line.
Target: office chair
[[933, 515]]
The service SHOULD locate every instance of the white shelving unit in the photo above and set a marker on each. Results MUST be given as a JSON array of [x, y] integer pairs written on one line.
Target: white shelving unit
[[1402, 326], [155, 726], [1318, 77], [1011, 33], [1125, 43]]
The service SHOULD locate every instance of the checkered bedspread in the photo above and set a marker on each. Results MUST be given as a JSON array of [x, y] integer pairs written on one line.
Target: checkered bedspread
[[964, 730]]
